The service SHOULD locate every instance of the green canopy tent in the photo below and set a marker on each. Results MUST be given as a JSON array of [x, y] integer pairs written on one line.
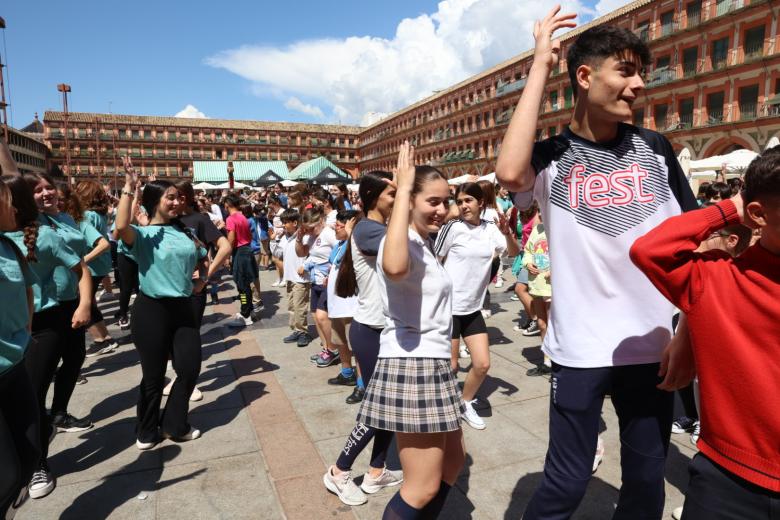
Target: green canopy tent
[[313, 168]]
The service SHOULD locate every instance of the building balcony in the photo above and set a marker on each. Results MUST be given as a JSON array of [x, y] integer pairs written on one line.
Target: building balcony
[[748, 111], [770, 108], [661, 76], [727, 6], [754, 49], [507, 88]]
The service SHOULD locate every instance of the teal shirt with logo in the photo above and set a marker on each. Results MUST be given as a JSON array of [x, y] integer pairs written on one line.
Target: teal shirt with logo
[[101, 265], [166, 259], [66, 280], [14, 281], [51, 252]]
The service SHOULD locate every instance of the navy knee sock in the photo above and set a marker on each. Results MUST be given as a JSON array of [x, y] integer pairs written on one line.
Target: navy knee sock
[[397, 509]]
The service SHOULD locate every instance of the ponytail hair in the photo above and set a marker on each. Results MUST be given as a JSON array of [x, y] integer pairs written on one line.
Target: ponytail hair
[[423, 175], [489, 194], [346, 281], [372, 184], [71, 203], [26, 211]]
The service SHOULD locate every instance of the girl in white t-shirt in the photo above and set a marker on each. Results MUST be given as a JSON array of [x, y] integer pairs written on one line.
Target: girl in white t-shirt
[[467, 247], [413, 391], [276, 234]]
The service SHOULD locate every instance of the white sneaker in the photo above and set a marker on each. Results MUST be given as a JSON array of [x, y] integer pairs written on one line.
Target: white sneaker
[[677, 513], [486, 313], [471, 417], [599, 454], [499, 283], [388, 478], [41, 484], [196, 395], [278, 283], [143, 446], [344, 487], [239, 321], [191, 435], [696, 433], [464, 352]]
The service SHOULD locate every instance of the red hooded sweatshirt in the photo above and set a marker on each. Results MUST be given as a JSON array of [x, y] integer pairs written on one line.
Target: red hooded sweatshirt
[[733, 308]]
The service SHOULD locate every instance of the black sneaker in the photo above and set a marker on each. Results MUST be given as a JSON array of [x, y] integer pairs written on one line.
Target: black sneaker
[[532, 329], [343, 380], [292, 338], [124, 323], [67, 423], [683, 425], [81, 380], [356, 396], [540, 370], [101, 347], [42, 482], [304, 339]]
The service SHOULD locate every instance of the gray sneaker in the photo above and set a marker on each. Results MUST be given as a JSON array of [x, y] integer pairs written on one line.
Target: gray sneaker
[[344, 487], [388, 478]]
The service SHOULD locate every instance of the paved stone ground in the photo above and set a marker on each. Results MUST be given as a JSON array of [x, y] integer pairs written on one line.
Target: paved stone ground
[[271, 425]]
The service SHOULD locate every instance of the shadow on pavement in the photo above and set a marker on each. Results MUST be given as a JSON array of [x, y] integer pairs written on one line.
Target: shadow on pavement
[[599, 502], [120, 487]]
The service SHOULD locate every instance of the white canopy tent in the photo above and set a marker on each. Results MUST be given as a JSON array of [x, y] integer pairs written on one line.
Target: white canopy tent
[[204, 186], [236, 185], [736, 162], [353, 187], [489, 177], [288, 183], [457, 181], [774, 141]]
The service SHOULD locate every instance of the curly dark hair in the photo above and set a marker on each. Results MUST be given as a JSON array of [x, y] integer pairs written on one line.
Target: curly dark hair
[[762, 178], [93, 196], [598, 43], [26, 211]]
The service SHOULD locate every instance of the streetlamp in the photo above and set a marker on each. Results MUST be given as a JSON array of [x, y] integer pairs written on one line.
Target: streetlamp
[[230, 171], [62, 87], [3, 104]]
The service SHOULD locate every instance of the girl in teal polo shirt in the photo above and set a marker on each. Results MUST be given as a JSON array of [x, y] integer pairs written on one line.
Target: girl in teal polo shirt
[[95, 203], [19, 428], [74, 294], [165, 324], [45, 251]]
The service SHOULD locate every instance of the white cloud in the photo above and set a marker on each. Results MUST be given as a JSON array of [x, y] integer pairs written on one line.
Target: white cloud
[[362, 78], [191, 111], [607, 6], [299, 106]]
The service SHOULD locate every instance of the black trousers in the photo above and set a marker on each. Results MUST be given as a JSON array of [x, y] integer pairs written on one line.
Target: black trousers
[[714, 493], [95, 315], [72, 352], [165, 328], [128, 282], [41, 359], [365, 346], [20, 451], [645, 419]]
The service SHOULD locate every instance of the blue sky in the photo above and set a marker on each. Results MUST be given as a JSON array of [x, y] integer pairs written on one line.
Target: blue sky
[[325, 62]]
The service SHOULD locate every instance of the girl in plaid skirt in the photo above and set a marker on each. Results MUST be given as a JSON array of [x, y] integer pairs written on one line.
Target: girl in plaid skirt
[[413, 391]]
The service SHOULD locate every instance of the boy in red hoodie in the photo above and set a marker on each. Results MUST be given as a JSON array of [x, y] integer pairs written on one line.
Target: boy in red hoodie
[[733, 309]]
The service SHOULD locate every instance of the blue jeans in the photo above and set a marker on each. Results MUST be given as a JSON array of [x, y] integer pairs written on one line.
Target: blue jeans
[[645, 419]]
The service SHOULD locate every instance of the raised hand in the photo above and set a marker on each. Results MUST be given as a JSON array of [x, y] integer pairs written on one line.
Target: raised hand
[[131, 176], [547, 50], [404, 175]]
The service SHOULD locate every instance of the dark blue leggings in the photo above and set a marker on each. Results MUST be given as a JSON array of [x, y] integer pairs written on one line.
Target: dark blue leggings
[[364, 341], [645, 419]]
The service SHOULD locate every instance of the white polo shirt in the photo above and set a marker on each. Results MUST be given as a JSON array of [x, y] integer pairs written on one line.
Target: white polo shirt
[[292, 261], [366, 238], [469, 252], [418, 308]]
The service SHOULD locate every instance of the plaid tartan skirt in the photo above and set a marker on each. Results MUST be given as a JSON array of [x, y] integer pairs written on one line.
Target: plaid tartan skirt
[[412, 395]]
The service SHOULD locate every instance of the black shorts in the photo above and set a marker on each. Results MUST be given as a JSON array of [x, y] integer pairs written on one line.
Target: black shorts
[[468, 325], [319, 298]]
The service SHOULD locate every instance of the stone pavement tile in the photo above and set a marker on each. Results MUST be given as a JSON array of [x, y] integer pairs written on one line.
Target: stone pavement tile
[[97, 453], [305, 498], [531, 415], [225, 433], [232, 487], [114, 497], [288, 450], [326, 416], [219, 393], [499, 444]]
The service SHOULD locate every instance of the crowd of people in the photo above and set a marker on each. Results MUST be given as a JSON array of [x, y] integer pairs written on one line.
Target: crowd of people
[[395, 277]]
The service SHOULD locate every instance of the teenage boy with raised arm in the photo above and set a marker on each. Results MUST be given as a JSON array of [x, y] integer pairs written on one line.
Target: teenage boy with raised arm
[[600, 185]]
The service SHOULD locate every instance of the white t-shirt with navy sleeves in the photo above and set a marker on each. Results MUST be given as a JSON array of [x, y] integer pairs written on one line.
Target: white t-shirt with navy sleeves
[[596, 199]]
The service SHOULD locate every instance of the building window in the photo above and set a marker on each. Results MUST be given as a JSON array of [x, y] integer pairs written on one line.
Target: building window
[[554, 100], [551, 131], [643, 31], [693, 14], [639, 117], [568, 97], [667, 23], [754, 42], [661, 112], [720, 52], [690, 59], [686, 113], [748, 102]]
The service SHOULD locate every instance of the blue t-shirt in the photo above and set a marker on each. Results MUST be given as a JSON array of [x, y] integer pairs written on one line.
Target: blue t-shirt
[[51, 252], [65, 279], [255, 232], [166, 259], [101, 265], [14, 280]]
